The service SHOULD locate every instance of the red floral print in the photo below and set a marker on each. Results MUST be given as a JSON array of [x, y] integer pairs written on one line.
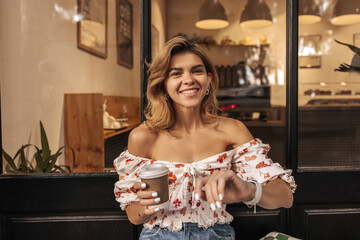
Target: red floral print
[[221, 158], [266, 175], [253, 142], [183, 211], [179, 165], [177, 203], [153, 220], [253, 157], [152, 161], [261, 165], [141, 163], [128, 160], [245, 150], [172, 178]]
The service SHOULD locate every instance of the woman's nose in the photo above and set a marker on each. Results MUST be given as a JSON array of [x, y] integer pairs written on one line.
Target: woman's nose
[[188, 78]]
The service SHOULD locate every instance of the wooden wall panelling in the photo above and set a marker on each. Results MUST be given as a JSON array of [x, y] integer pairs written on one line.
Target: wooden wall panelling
[[326, 221], [83, 131], [70, 227], [337, 223], [62, 206], [248, 225]]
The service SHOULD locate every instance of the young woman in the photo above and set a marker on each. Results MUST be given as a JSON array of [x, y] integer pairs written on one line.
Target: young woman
[[213, 160]]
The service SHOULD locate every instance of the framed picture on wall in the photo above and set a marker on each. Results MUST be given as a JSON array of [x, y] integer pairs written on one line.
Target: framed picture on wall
[[310, 51], [92, 29], [124, 33]]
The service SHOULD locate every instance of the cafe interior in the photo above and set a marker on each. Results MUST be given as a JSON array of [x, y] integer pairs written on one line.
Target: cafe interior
[[73, 86]]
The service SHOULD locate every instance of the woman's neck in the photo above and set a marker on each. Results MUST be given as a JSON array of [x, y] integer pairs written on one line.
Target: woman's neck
[[187, 119]]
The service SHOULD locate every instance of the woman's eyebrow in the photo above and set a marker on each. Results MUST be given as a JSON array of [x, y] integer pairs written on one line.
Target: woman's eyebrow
[[175, 69], [198, 66]]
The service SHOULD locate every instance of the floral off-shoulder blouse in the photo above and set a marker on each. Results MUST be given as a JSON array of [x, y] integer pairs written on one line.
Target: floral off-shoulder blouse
[[249, 161]]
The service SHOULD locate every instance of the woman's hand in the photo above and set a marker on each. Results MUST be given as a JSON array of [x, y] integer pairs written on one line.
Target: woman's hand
[[223, 186], [147, 198], [139, 212]]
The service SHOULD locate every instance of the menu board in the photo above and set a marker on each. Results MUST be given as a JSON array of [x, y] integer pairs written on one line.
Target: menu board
[[124, 33]]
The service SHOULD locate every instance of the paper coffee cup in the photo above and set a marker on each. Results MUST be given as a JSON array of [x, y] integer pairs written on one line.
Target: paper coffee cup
[[156, 178]]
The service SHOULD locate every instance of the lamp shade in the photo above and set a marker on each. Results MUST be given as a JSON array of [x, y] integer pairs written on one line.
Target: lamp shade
[[212, 16], [309, 12], [256, 14], [346, 12]]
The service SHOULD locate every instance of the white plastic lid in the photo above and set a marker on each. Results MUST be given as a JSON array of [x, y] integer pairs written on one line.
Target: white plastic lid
[[153, 171]]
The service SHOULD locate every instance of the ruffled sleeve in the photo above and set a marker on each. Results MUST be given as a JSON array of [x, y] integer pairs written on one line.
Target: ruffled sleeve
[[128, 168], [251, 162]]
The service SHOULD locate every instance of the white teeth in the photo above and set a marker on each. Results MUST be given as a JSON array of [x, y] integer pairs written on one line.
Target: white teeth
[[189, 91]]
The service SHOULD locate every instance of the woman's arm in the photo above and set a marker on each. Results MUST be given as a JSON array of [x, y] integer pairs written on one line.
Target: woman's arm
[[276, 194], [139, 144], [225, 186]]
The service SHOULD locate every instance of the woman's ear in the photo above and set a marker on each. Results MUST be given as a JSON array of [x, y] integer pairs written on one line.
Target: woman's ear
[[210, 77]]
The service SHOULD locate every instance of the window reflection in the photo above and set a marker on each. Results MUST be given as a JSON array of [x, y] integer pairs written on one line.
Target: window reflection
[[329, 86], [249, 54]]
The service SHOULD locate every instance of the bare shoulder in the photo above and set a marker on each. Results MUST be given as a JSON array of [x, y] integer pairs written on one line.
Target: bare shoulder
[[141, 140], [237, 132]]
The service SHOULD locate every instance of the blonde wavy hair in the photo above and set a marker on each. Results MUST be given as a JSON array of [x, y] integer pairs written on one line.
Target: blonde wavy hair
[[159, 112]]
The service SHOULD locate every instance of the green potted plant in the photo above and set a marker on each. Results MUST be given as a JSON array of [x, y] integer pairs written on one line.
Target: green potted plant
[[43, 160]]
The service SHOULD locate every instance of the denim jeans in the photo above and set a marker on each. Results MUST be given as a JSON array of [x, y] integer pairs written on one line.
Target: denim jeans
[[190, 231]]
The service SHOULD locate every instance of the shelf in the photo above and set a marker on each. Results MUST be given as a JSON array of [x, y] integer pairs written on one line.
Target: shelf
[[111, 133]]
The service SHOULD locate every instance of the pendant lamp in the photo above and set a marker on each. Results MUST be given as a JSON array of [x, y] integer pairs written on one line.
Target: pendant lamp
[[309, 12], [212, 16], [346, 12], [256, 14]]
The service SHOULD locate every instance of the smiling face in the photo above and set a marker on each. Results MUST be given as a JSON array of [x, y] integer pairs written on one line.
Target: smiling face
[[187, 80]]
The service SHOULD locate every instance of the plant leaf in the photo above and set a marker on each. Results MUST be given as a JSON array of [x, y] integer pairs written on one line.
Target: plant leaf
[[59, 168], [10, 161], [23, 161], [352, 47], [44, 142], [51, 161]]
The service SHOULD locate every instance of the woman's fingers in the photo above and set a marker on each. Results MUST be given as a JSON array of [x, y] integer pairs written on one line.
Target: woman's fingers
[[198, 189], [150, 211], [149, 202], [214, 186], [144, 194]]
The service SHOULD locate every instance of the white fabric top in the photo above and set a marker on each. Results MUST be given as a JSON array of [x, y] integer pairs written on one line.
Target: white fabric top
[[249, 161]]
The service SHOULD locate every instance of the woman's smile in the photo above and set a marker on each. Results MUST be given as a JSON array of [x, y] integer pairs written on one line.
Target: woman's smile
[[189, 92], [188, 80]]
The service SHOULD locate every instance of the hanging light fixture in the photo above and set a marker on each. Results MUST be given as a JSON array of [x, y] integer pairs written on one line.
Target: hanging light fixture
[[256, 14], [212, 16], [346, 12], [309, 12]]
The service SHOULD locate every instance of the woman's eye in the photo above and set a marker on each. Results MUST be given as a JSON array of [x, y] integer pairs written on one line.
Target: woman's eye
[[198, 71], [175, 74]]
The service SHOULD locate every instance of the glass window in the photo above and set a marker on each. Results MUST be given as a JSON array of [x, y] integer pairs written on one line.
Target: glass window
[[329, 86], [46, 54], [249, 54]]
